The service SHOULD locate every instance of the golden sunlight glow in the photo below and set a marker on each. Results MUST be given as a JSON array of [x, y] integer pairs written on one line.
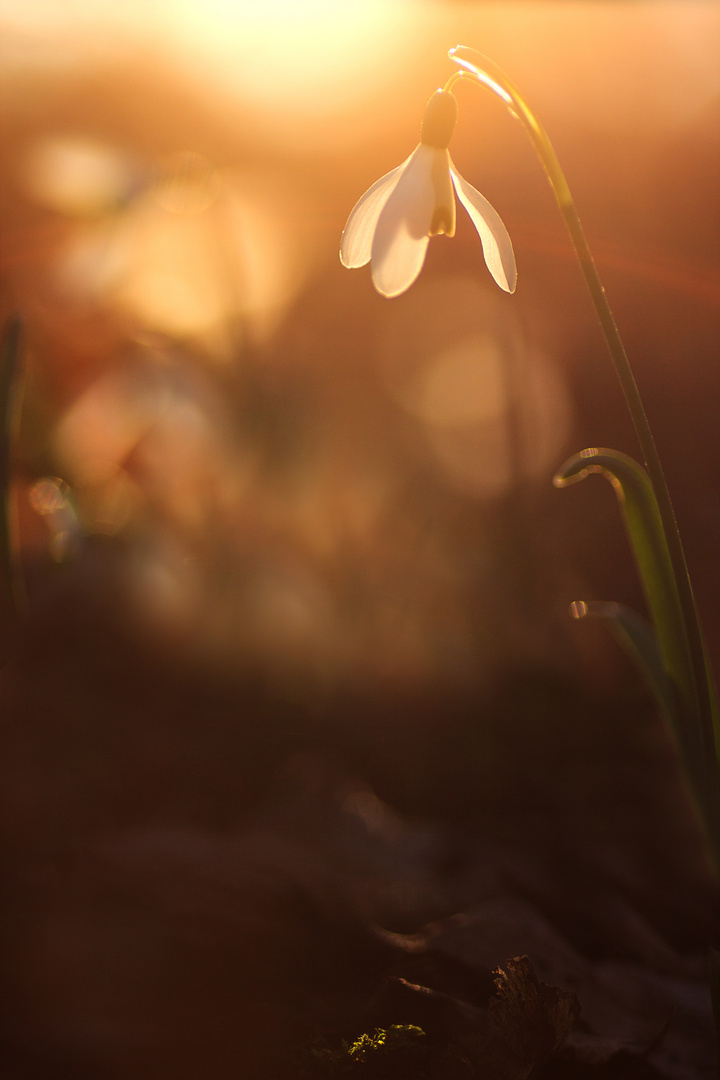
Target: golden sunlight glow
[[281, 48], [319, 58], [314, 58]]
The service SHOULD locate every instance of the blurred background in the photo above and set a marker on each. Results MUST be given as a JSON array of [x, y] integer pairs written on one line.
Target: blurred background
[[253, 472], [262, 512], [237, 467]]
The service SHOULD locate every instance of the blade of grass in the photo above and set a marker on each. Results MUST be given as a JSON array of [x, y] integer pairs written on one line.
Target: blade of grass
[[648, 539], [11, 377], [637, 637]]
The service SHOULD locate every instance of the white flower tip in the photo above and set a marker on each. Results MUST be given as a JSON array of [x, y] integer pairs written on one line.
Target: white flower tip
[[346, 259], [390, 291], [388, 294], [357, 237], [508, 282], [501, 265], [355, 242], [496, 243]]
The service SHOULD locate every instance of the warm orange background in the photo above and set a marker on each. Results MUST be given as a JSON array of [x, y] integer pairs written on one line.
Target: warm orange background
[[288, 549], [257, 465]]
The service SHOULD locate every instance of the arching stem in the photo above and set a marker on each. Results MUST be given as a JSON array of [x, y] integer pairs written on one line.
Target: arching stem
[[484, 71]]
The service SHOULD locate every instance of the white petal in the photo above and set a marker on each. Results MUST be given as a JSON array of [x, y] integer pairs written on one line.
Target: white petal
[[403, 227], [357, 237], [497, 245]]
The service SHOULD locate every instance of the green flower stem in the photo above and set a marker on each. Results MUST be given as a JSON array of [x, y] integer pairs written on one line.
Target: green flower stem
[[488, 74], [674, 685]]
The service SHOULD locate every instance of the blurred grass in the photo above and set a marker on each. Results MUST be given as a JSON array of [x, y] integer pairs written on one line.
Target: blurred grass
[[11, 379]]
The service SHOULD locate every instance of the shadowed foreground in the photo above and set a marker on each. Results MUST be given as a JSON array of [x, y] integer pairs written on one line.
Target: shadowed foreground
[[188, 896]]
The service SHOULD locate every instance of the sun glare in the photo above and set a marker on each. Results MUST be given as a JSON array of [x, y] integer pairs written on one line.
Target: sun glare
[[290, 59], [316, 56]]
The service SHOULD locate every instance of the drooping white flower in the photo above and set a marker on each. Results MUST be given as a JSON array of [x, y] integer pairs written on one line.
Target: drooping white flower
[[390, 227]]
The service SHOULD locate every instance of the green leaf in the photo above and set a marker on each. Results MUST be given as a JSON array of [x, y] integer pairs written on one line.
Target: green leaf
[[647, 537], [642, 519], [638, 639]]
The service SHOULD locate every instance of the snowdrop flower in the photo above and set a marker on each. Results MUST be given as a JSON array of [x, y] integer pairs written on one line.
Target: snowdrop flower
[[391, 225]]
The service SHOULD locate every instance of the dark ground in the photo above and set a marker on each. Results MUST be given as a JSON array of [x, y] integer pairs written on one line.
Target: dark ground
[[195, 877]]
